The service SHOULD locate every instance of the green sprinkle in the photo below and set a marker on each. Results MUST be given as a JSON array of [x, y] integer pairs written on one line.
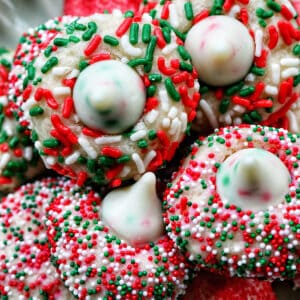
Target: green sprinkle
[[264, 14], [273, 5], [48, 51], [258, 71], [188, 9], [52, 62], [60, 42], [183, 53], [137, 62], [74, 39], [172, 90], [167, 34], [186, 67], [296, 49], [224, 105], [51, 143], [134, 33], [146, 33], [142, 144], [247, 91], [31, 71], [155, 77], [111, 40], [152, 134], [151, 48], [36, 111], [233, 89]]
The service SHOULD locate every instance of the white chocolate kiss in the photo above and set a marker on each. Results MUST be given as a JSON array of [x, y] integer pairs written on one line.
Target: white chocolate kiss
[[109, 96], [134, 213], [253, 179], [221, 48]]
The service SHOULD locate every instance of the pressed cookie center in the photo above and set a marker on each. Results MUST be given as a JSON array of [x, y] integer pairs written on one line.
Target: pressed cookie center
[[253, 179], [109, 96], [221, 48]]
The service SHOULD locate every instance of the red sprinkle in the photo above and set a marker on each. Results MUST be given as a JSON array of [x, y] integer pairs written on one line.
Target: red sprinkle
[[122, 29], [111, 152], [202, 15], [68, 107], [93, 45], [273, 37]]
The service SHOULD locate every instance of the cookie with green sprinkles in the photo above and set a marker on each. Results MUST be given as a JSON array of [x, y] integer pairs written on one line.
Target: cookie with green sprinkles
[[114, 99], [246, 53], [233, 206], [95, 262], [26, 271], [31, 44], [19, 161]]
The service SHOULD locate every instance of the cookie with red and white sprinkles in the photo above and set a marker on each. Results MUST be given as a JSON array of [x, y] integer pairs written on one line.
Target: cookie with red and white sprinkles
[[19, 161], [113, 100], [246, 53], [94, 260], [26, 271], [233, 205]]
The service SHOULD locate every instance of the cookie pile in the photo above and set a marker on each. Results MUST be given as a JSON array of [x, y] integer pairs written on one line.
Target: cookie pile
[[110, 101]]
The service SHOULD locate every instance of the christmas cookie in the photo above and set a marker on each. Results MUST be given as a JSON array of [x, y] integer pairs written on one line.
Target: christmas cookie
[[115, 247], [19, 161], [26, 271], [246, 54], [233, 205], [112, 99]]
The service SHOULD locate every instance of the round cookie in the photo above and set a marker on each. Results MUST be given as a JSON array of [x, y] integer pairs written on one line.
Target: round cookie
[[19, 161], [92, 258], [26, 271], [265, 89], [237, 211], [166, 82]]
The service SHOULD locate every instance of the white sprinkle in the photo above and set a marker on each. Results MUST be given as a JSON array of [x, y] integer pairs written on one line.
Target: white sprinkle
[[271, 90], [239, 109], [151, 116], [173, 112], [50, 160], [169, 48], [27, 153], [148, 158], [164, 98], [28, 104], [3, 100], [138, 135], [86, 146], [117, 13], [61, 71], [138, 162], [125, 171], [250, 77], [289, 72], [227, 119], [209, 113], [165, 122], [175, 126], [128, 48], [290, 61], [293, 123], [184, 120], [4, 159], [71, 159], [258, 42], [237, 121], [146, 18], [104, 140], [62, 91], [234, 11], [74, 73], [275, 71], [173, 16], [38, 145]]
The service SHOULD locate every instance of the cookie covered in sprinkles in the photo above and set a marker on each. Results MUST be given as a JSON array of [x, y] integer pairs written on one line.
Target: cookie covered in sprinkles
[[80, 129], [104, 251], [239, 212], [19, 161], [266, 88], [26, 271]]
